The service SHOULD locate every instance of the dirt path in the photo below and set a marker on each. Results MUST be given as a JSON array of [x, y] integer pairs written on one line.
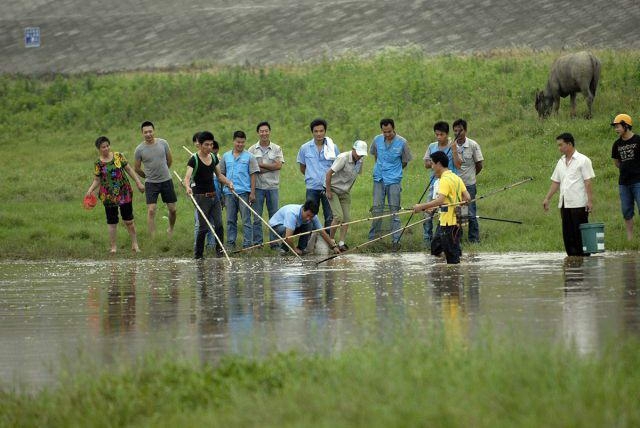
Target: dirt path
[[86, 35]]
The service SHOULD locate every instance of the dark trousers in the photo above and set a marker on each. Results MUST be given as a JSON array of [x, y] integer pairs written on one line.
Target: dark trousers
[[572, 218], [211, 208], [447, 240], [321, 199]]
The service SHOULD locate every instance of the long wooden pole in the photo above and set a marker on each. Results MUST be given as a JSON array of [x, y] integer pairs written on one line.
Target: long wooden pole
[[328, 227], [266, 222], [205, 219], [372, 241]]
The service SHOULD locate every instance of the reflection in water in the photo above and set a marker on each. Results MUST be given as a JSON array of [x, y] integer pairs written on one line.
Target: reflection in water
[[388, 287], [630, 299], [121, 300], [580, 302], [259, 306], [456, 289]]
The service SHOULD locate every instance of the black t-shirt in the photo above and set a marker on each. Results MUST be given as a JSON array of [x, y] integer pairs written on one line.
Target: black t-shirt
[[628, 153], [203, 176]]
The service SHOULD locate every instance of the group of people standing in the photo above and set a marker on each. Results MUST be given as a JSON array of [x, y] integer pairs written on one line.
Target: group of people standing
[[573, 176], [245, 180]]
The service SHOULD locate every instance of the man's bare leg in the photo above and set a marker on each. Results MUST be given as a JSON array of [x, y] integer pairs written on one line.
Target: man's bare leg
[[172, 217], [629, 226], [151, 219]]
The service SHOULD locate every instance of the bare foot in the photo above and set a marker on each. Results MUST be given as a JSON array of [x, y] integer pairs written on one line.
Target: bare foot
[[135, 249], [170, 232], [112, 251]]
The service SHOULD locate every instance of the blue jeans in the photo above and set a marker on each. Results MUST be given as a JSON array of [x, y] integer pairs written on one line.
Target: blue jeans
[[302, 240], [474, 228], [390, 192], [270, 196], [427, 226], [233, 205], [320, 198], [629, 193]]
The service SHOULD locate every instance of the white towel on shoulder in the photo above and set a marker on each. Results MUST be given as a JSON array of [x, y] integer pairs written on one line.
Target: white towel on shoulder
[[329, 149]]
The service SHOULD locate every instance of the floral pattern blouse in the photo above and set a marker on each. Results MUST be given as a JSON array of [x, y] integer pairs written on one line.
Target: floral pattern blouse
[[114, 184]]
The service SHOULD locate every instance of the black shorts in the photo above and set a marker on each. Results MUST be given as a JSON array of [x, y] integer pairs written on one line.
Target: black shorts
[[164, 189], [126, 212]]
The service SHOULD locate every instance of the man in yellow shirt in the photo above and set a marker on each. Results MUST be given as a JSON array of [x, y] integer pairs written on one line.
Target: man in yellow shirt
[[451, 192]]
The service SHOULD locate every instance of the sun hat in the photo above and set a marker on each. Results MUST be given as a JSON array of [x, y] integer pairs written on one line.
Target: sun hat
[[360, 147]]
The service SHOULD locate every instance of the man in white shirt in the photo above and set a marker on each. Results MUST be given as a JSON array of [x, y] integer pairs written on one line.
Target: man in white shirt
[[572, 176]]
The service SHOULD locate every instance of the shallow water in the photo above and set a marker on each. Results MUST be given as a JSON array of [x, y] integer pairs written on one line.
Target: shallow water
[[104, 311]]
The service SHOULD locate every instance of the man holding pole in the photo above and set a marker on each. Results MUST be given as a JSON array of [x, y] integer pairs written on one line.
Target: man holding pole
[[572, 176], [451, 193], [241, 167], [391, 153], [442, 144], [205, 165], [338, 183], [294, 219]]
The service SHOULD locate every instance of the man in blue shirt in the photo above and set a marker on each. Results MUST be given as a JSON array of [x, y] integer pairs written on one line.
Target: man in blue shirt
[[315, 158], [442, 144], [391, 153], [240, 167], [293, 219]]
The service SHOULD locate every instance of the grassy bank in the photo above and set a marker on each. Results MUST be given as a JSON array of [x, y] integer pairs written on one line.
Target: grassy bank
[[413, 381], [48, 125]]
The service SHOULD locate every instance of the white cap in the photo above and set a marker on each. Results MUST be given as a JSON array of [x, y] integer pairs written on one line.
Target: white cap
[[360, 147]]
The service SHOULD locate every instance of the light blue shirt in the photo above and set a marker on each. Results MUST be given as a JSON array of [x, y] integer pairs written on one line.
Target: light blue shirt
[[290, 216], [238, 170], [316, 164], [433, 147], [389, 159]]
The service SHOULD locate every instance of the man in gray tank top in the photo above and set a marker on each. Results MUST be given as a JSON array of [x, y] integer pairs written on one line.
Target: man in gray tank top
[[154, 154]]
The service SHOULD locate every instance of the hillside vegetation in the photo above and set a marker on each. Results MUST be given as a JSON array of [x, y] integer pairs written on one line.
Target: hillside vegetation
[[48, 125]]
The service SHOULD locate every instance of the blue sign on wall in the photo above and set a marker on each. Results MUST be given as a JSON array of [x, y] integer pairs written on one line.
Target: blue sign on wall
[[32, 37]]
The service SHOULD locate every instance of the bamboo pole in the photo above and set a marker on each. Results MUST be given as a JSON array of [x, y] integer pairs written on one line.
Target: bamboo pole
[[205, 219]]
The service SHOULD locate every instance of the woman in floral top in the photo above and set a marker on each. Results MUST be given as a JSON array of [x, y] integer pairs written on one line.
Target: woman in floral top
[[115, 190]]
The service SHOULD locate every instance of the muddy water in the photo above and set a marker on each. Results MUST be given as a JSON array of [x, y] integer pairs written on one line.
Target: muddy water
[[56, 311]]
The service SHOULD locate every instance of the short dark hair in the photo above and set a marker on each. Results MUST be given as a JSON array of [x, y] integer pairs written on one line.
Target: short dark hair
[[311, 205], [216, 146], [567, 138], [195, 137], [239, 134], [263, 123], [101, 140], [441, 158], [147, 123], [316, 122], [460, 122], [387, 121], [205, 136], [441, 126]]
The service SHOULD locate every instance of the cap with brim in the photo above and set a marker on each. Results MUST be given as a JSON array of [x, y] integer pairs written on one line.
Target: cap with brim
[[360, 147]]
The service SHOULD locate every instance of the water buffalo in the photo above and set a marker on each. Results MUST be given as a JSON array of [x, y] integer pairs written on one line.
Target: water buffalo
[[570, 74]]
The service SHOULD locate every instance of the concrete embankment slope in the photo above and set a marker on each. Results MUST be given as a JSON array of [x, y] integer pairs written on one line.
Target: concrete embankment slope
[[99, 35]]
